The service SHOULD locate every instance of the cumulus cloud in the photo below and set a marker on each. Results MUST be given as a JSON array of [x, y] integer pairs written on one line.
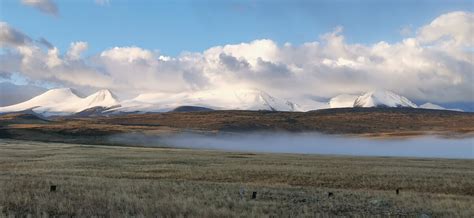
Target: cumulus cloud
[[434, 64], [30, 58], [127, 54], [452, 29], [45, 6]]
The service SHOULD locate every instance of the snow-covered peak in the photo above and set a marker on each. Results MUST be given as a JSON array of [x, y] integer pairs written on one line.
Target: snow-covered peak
[[66, 102], [255, 99], [55, 95], [343, 100], [63, 102], [102, 98], [382, 98], [50, 97]]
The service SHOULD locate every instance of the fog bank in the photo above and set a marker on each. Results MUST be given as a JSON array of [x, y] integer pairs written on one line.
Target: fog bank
[[310, 143]]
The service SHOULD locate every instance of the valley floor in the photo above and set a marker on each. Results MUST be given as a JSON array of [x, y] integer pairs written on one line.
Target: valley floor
[[94, 180]]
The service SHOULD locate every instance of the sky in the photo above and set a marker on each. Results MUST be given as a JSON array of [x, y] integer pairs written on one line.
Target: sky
[[420, 49], [176, 26]]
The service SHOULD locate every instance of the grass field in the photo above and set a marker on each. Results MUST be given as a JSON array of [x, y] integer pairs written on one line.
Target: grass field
[[135, 181]]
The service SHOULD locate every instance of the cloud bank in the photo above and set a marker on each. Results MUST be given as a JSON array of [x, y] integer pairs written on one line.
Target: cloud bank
[[436, 64]]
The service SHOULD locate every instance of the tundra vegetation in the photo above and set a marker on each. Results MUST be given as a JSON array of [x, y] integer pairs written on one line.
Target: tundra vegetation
[[66, 166], [371, 122], [115, 181]]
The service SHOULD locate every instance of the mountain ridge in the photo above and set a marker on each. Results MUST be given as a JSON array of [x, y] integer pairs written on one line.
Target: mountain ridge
[[65, 102]]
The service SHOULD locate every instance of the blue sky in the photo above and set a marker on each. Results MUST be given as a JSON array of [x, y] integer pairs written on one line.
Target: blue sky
[[175, 26], [417, 48]]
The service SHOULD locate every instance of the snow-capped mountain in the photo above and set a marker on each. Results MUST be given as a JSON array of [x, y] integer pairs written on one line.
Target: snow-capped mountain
[[102, 98], [58, 102], [243, 99], [382, 98], [254, 99]]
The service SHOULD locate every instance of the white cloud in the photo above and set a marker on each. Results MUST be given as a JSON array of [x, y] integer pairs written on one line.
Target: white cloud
[[76, 50], [452, 29], [127, 54], [434, 65], [36, 63], [53, 59], [264, 49], [45, 6]]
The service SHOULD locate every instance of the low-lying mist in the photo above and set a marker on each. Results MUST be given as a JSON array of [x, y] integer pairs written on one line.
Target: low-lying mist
[[310, 143]]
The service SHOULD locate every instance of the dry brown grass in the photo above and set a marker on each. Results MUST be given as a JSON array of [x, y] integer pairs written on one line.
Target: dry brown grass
[[367, 122], [339, 121], [123, 181]]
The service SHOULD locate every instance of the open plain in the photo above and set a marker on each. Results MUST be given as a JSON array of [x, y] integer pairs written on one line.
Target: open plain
[[111, 181], [99, 177]]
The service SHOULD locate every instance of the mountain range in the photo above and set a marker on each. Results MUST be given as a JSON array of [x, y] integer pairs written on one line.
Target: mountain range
[[65, 102]]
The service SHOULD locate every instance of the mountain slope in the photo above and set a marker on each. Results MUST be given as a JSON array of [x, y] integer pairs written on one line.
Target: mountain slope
[[382, 98], [102, 98], [429, 105], [432, 106], [52, 102], [342, 101]]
